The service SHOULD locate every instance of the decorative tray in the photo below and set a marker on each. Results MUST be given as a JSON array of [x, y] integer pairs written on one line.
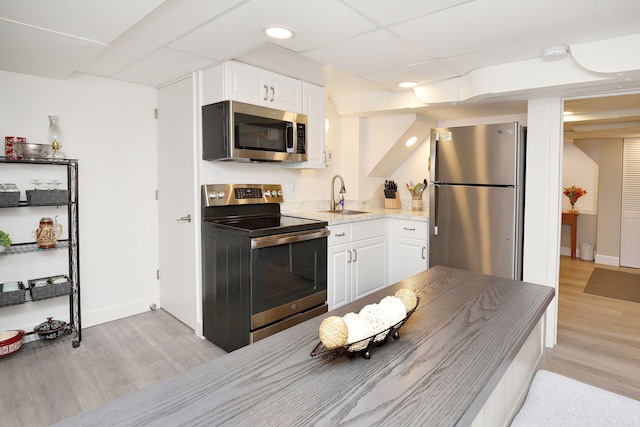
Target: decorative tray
[[363, 346]]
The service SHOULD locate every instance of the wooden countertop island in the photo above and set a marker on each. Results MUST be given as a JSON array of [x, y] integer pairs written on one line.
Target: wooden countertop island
[[453, 352]]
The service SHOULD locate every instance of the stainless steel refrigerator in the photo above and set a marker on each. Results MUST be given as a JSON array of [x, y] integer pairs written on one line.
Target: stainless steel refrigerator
[[476, 198]]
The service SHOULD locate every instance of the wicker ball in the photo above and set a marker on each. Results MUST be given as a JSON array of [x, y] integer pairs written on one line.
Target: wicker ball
[[333, 332], [395, 309], [358, 330], [377, 319], [408, 298]]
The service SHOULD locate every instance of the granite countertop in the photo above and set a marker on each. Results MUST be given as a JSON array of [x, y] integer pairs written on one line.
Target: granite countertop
[[450, 355], [370, 213]]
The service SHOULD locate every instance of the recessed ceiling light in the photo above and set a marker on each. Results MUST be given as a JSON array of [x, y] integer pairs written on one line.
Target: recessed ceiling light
[[411, 141], [278, 32], [407, 84]]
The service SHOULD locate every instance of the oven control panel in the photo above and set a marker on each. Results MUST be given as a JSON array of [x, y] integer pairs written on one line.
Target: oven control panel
[[240, 194]]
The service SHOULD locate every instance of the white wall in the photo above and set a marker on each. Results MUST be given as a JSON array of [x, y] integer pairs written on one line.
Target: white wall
[[580, 170], [110, 127]]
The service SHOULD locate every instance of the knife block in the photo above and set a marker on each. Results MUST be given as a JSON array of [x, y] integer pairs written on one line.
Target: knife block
[[394, 203]]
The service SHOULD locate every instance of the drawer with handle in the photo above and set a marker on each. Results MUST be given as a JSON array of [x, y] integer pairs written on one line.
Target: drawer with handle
[[339, 234], [411, 229]]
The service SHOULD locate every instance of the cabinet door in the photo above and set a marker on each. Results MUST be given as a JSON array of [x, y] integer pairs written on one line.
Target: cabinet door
[[314, 105], [338, 275], [369, 265], [410, 257], [285, 93], [245, 83], [256, 86]]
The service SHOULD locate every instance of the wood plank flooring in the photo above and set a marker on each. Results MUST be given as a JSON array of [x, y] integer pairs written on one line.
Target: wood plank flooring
[[598, 337], [598, 343], [114, 359]]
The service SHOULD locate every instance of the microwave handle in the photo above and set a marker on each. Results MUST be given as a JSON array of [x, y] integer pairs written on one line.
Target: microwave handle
[[289, 127]]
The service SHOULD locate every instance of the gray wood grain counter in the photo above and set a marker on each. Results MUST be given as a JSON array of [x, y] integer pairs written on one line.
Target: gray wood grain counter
[[451, 354]]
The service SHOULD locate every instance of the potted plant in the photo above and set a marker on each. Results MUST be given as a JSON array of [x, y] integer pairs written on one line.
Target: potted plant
[[5, 241]]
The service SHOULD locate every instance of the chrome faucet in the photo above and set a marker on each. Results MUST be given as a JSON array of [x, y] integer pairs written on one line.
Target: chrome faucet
[[339, 205]]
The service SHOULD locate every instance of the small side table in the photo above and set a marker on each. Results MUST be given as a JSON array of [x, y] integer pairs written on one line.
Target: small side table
[[571, 218]]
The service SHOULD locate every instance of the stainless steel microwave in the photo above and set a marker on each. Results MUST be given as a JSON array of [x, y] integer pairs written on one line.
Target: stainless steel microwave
[[234, 130]]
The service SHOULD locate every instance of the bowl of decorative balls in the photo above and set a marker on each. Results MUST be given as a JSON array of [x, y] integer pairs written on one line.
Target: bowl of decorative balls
[[359, 332]]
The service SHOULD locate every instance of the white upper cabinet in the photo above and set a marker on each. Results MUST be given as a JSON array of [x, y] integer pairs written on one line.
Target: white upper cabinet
[[253, 85], [314, 106], [245, 83]]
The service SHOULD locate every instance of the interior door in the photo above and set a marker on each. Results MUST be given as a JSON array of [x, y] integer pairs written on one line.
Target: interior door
[[179, 286], [630, 222]]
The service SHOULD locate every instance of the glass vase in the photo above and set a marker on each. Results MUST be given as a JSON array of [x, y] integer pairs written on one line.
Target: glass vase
[[55, 138], [573, 207]]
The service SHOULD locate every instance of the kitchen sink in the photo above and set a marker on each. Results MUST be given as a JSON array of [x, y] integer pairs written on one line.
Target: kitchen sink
[[346, 212]]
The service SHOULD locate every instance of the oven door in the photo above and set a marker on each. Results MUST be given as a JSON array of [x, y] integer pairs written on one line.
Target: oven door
[[288, 275]]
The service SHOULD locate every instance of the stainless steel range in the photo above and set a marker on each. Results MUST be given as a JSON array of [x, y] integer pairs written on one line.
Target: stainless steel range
[[262, 271]]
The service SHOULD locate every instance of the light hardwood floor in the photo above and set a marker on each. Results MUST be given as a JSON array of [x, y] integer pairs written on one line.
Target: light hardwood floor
[[114, 359], [598, 343], [598, 337]]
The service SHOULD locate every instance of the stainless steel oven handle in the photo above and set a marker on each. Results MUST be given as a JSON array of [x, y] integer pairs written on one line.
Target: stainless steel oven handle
[[283, 239]]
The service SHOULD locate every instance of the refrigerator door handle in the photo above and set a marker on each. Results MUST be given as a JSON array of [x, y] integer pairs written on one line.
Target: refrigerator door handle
[[433, 200], [433, 157]]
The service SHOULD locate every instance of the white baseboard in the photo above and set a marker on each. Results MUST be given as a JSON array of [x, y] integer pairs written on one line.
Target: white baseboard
[[608, 260], [566, 251], [109, 314]]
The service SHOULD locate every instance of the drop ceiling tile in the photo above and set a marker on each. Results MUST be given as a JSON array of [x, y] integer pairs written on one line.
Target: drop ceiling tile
[[32, 51], [177, 18], [56, 63], [485, 24], [117, 56], [100, 21], [423, 73], [389, 12], [368, 53], [464, 63], [315, 24], [162, 67]]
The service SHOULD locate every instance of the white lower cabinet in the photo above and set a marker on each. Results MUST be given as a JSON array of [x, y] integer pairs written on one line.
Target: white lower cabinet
[[358, 255], [410, 248]]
